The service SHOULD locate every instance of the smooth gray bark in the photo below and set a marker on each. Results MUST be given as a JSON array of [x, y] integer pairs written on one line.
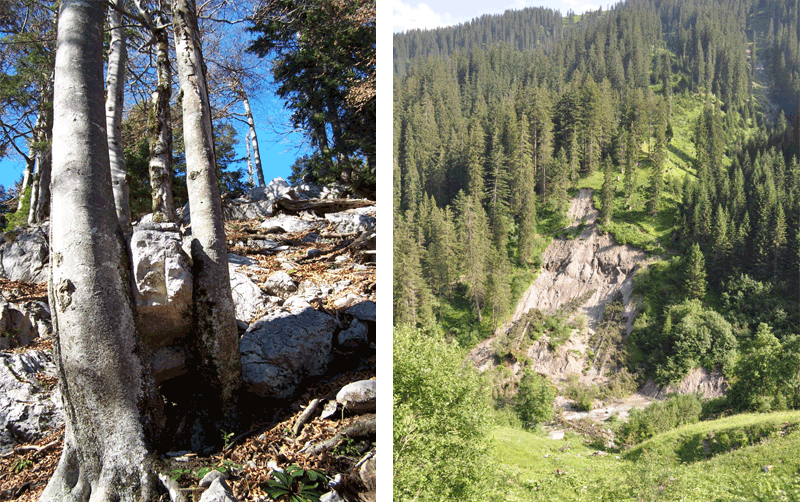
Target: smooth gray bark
[[161, 133], [113, 410], [27, 174], [254, 141], [40, 190], [159, 120], [249, 158], [115, 81], [214, 311]]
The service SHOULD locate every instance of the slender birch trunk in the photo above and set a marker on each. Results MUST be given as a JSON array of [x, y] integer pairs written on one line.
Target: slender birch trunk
[[115, 82], [254, 141], [112, 408], [161, 134], [214, 313], [40, 191], [249, 159]]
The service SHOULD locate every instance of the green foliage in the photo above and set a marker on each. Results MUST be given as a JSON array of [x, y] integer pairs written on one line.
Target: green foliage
[[691, 336], [296, 484], [659, 417], [534, 401], [694, 283], [583, 394], [19, 218], [20, 464], [226, 438], [323, 62], [766, 378], [441, 420]]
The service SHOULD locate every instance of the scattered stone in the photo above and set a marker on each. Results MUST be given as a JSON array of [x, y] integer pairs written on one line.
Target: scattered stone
[[16, 328], [347, 301], [210, 477], [219, 491], [168, 362], [276, 189], [364, 311], [281, 349], [289, 224], [245, 210], [358, 397], [331, 496], [280, 284], [313, 253], [329, 410], [767, 468], [248, 299], [241, 260], [357, 334]]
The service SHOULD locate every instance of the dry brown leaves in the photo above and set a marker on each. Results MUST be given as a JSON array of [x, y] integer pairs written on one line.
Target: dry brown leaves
[[24, 291], [24, 475]]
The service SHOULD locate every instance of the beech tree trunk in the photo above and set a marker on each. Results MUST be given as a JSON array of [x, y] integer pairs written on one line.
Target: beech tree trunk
[[213, 302], [161, 134], [112, 408], [254, 142], [40, 190], [249, 159], [115, 80]]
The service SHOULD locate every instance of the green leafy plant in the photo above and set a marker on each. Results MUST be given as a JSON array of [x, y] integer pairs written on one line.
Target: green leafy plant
[[226, 438], [177, 473], [20, 465], [297, 485], [347, 447]]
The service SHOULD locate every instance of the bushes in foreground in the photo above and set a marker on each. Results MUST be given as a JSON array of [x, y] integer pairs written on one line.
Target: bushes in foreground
[[441, 420], [677, 410]]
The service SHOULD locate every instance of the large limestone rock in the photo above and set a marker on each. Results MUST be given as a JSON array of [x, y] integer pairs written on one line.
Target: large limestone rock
[[162, 275], [27, 408], [276, 189], [283, 348], [351, 221], [245, 210], [24, 255]]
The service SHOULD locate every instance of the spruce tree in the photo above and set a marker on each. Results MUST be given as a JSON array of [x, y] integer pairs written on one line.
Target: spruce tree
[[694, 283], [609, 187]]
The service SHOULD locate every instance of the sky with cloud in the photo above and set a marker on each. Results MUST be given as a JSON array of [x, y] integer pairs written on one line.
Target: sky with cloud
[[436, 13]]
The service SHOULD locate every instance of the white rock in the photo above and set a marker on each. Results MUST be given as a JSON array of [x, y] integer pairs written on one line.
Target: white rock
[[358, 397]]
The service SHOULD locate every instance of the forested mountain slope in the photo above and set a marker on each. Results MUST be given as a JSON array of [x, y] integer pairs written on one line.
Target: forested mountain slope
[[682, 116]]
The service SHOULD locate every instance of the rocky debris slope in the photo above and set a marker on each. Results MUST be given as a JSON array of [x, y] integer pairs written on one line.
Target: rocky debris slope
[[303, 281], [581, 273], [589, 268]]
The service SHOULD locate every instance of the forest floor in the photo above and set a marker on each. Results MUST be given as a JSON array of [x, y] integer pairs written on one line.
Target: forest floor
[[249, 458]]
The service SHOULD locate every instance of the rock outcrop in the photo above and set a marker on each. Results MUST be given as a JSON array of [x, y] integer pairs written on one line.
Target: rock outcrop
[[30, 404], [24, 254], [284, 347]]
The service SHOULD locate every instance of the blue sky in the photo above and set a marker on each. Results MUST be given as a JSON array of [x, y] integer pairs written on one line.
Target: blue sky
[[436, 13], [278, 151]]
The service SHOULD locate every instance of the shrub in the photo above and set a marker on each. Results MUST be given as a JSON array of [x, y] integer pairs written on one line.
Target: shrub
[[660, 417], [19, 218], [441, 420], [534, 401]]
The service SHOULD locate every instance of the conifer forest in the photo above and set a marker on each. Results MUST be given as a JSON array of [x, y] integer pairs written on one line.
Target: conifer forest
[[530, 147]]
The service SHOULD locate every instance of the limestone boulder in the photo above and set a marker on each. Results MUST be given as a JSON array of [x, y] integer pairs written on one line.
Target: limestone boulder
[[281, 349], [24, 254], [276, 189], [287, 224], [248, 298], [162, 275]]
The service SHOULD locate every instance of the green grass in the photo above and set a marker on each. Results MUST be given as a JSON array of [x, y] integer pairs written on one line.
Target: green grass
[[533, 467]]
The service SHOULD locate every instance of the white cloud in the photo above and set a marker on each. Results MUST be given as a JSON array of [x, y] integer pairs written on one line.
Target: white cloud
[[405, 17]]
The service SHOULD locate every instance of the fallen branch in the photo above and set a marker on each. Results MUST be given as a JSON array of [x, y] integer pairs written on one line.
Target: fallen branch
[[36, 449], [322, 206], [305, 417], [364, 427]]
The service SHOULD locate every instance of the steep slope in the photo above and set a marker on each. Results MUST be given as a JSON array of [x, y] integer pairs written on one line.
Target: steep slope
[[580, 273]]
